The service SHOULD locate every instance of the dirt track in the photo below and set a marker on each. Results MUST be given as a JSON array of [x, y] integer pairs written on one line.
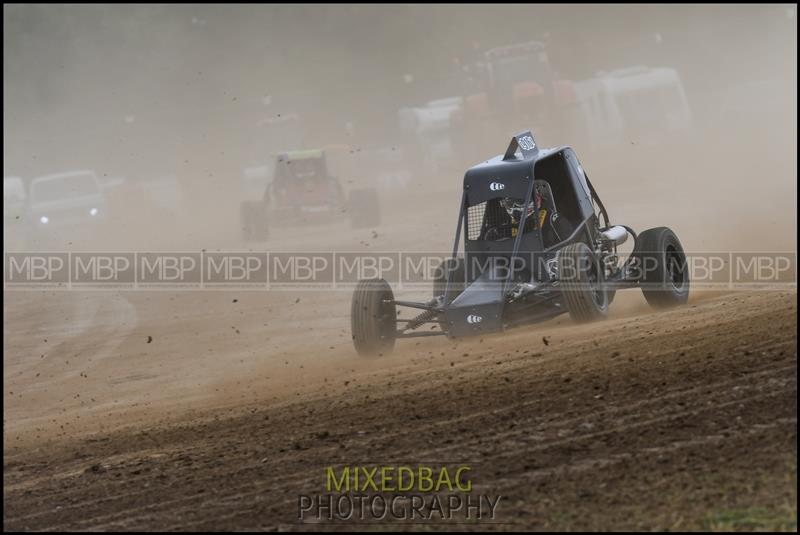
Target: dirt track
[[681, 419]]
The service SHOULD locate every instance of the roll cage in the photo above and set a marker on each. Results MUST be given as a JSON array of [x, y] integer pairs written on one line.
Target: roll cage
[[526, 173]]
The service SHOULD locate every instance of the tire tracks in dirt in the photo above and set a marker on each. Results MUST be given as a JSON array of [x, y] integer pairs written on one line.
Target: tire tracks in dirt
[[664, 394]]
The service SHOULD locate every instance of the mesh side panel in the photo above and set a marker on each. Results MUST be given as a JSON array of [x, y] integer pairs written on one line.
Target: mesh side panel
[[487, 215], [484, 216], [475, 220]]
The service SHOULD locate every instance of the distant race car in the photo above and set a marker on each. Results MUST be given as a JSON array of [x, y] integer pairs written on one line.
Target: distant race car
[[537, 243], [303, 191], [65, 201]]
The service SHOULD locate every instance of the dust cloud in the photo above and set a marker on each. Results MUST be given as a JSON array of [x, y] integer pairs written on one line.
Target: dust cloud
[[682, 116], [174, 107]]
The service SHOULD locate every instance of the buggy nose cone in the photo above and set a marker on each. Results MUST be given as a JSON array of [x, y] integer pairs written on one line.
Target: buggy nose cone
[[479, 308]]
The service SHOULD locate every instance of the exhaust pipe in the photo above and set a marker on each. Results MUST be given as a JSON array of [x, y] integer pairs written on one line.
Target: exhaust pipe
[[616, 234]]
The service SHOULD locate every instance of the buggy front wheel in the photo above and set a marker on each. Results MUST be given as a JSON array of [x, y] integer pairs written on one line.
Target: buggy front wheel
[[373, 317]]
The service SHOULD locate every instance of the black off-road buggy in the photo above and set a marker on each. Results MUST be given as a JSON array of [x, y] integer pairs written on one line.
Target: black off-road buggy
[[303, 191], [537, 243]]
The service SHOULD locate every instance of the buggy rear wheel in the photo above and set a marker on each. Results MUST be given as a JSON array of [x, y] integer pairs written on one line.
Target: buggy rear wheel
[[582, 281], [662, 264], [373, 316]]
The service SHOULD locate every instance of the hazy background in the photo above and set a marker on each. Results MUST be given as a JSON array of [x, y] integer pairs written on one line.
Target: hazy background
[[146, 92], [174, 106]]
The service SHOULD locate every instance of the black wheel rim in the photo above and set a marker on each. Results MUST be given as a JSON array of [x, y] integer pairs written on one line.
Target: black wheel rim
[[675, 268]]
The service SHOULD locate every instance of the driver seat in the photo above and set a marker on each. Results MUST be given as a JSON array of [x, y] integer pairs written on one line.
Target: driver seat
[[555, 227]]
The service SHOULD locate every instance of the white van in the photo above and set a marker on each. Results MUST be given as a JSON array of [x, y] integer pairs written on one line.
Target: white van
[[66, 199], [639, 104]]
